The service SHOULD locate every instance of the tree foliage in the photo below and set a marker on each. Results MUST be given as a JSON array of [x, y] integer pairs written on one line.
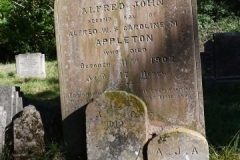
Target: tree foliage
[[27, 26], [215, 16]]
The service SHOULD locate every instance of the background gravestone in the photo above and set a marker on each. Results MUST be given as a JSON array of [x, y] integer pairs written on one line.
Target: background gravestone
[[148, 48], [31, 65], [227, 55], [116, 125], [178, 144]]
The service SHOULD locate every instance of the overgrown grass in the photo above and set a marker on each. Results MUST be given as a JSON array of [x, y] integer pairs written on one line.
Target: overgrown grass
[[229, 152]]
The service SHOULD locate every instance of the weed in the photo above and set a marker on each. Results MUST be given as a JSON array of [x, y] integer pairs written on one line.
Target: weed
[[229, 152]]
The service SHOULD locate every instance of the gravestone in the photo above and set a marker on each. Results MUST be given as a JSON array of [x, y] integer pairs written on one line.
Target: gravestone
[[116, 125], [31, 65], [10, 100], [11, 104], [3, 124], [178, 144], [227, 55], [28, 134], [147, 48]]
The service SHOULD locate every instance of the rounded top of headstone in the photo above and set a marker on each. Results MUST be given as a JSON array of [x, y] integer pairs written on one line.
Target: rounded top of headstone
[[122, 98], [180, 144], [183, 131]]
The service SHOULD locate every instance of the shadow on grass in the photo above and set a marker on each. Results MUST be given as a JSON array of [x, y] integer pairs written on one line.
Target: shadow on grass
[[222, 112]]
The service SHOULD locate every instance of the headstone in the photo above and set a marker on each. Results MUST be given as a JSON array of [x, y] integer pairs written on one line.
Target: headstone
[[116, 125], [31, 65], [7, 101], [178, 144], [3, 120], [11, 101], [28, 133], [207, 60], [148, 48], [227, 55]]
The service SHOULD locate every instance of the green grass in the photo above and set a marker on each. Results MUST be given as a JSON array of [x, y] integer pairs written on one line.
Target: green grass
[[229, 152], [44, 91]]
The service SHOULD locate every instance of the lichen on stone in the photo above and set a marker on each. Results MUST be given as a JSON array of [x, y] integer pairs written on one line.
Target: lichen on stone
[[122, 99]]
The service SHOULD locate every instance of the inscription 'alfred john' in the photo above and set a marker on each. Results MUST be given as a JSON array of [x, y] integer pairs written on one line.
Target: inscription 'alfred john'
[[119, 6]]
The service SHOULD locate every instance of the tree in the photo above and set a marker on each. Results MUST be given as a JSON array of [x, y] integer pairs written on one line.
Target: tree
[[28, 26]]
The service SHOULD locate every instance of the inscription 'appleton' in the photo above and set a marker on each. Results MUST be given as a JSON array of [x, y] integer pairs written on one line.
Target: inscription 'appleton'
[[124, 40]]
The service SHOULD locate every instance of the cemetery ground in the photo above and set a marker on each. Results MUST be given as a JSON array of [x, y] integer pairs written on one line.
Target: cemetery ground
[[221, 103]]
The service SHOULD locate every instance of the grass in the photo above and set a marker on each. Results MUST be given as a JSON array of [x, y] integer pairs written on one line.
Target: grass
[[221, 101], [43, 91], [229, 152], [39, 92]]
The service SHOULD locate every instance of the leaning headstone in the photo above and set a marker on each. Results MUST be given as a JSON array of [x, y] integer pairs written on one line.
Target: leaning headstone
[[116, 127], [178, 144], [227, 56], [3, 120], [28, 133], [148, 48], [7, 100], [11, 101], [31, 65]]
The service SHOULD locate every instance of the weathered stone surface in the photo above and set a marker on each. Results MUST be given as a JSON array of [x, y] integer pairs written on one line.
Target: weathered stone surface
[[7, 100], [28, 133], [3, 123], [31, 65], [10, 99], [148, 48], [178, 144], [227, 55], [116, 127]]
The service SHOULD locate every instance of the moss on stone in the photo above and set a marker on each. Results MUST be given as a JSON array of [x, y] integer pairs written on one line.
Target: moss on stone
[[122, 99]]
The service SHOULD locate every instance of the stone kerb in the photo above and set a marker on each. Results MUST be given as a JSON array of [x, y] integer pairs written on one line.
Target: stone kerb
[[116, 125], [178, 144]]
